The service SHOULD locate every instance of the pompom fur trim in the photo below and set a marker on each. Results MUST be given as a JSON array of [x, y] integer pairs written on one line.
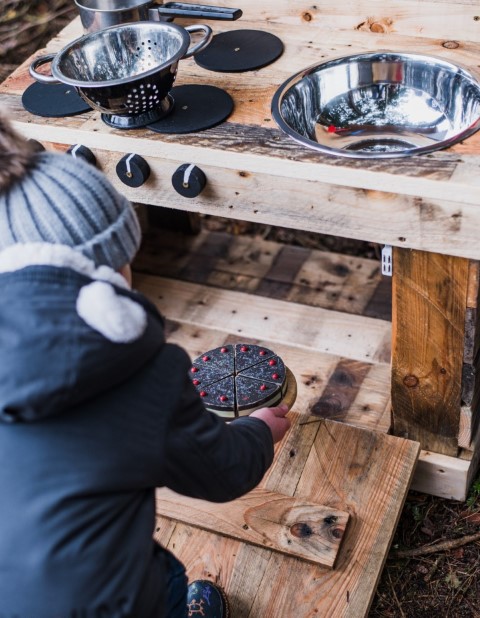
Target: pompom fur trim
[[118, 318]]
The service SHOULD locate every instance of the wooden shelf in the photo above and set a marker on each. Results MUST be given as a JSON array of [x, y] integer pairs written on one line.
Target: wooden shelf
[[312, 307]]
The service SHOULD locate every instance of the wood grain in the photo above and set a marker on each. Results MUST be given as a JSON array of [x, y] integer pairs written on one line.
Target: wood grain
[[244, 263], [345, 465], [313, 328], [429, 307], [288, 525]]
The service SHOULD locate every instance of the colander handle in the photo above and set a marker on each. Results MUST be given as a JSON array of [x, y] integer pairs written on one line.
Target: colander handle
[[41, 77], [205, 40]]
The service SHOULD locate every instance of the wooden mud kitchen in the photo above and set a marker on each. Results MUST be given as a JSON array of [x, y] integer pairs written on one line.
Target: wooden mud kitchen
[[386, 366]]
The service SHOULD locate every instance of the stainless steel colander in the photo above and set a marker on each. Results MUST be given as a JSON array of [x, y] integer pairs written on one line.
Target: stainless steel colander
[[125, 70]]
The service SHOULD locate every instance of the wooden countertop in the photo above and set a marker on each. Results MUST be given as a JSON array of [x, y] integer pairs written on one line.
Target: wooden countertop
[[255, 172]]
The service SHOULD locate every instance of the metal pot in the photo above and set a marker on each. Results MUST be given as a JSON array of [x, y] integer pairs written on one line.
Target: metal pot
[[125, 71], [99, 14]]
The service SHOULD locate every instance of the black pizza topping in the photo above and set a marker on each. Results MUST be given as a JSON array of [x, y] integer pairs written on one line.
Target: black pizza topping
[[255, 393], [247, 355], [213, 365], [235, 380], [271, 370], [220, 395]]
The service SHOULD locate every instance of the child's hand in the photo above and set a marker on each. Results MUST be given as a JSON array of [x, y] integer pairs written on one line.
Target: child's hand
[[275, 419]]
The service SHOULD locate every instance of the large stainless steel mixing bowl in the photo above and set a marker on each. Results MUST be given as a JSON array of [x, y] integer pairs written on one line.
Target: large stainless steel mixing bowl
[[379, 105]]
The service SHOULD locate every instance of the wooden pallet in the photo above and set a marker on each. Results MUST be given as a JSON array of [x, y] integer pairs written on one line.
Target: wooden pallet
[[272, 551], [331, 311]]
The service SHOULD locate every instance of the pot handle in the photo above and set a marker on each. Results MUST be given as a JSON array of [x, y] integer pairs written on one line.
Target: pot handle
[[41, 77], [205, 40]]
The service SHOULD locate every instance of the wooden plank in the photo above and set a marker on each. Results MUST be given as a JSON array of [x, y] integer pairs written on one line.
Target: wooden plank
[[442, 476], [428, 18], [341, 390], [345, 465], [312, 328], [429, 299], [250, 264], [288, 525], [470, 414]]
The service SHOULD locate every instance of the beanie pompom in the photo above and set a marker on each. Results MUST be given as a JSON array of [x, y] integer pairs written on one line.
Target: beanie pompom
[[16, 155], [117, 318]]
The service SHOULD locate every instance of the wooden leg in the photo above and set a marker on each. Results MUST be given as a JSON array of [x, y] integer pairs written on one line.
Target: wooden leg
[[428, 335]]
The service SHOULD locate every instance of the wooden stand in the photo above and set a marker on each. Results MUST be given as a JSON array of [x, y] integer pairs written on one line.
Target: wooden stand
[[359, 376]]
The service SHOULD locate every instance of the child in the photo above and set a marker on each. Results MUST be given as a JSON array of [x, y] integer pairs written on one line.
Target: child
[[96, 409]]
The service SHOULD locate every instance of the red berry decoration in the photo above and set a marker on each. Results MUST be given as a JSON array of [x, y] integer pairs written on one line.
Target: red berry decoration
[[223, 398], [272, 362], [194, 369], [196, 382], [244, 348], [205, 358], [203, 394], [224, 350], [263, 387], [275, 376], [262, 352]]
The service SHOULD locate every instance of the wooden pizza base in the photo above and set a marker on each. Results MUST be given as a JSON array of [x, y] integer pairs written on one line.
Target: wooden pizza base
[[291, 394]]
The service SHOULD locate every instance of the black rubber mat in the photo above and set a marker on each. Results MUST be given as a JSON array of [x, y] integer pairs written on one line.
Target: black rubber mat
[[196, 108], [240, 50], [53, 100]]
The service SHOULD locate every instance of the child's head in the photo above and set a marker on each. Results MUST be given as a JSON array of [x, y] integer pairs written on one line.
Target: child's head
[[55, 198]]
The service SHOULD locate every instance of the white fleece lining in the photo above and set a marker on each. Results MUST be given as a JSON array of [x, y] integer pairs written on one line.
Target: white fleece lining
[[20, 256], [117, 318]]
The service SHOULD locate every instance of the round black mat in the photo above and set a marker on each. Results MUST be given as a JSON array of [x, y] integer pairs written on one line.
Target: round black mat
[[53, 100], [240, 50], [196, 108]]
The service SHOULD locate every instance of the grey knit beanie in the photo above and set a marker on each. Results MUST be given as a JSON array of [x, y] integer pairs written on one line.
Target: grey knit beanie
[[58, 199]]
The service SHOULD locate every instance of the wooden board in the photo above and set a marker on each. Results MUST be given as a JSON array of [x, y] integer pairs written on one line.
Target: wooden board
[[345, 468], [429, 304], [245, 263], [330, 385], [256, 173], [290, 526]]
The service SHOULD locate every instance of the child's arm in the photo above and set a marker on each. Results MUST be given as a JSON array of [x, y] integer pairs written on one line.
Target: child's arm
[[217, 461]]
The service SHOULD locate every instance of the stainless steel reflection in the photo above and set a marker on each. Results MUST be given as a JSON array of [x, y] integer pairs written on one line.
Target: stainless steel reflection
[[116, 55], [99, 14], [125, 70], [379, 105]]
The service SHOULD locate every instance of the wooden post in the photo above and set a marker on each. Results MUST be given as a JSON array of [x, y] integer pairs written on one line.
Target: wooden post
[[469, 417], [428, 335]]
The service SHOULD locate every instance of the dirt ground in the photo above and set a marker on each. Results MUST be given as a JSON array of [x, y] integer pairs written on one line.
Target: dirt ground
[[433, 569]]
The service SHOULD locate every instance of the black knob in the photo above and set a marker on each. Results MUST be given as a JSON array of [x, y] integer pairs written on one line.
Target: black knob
[[82, 152], [189, 180], [133, 170]]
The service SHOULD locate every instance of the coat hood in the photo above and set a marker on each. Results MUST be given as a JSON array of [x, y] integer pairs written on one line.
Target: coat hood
[[68, 331]]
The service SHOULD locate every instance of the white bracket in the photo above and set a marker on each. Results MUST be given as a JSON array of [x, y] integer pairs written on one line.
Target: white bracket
[[387, 266]]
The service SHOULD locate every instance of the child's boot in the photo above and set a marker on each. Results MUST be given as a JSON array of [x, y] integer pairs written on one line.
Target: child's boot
[[206, 600]]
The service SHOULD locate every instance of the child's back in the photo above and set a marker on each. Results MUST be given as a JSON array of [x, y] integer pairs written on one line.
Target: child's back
[[96, 410]]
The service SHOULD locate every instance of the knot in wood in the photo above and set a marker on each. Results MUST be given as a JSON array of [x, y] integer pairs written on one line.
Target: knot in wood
[[378, 27], [337, 533], [301, 530], [451, 44], [410, 381], [330, 519], [307, 16]]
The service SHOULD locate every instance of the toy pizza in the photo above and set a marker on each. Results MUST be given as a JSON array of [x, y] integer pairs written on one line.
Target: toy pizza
[[235, 380]]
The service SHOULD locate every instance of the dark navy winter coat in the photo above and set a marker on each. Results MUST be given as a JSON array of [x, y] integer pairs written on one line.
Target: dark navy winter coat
[[88, 430]]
